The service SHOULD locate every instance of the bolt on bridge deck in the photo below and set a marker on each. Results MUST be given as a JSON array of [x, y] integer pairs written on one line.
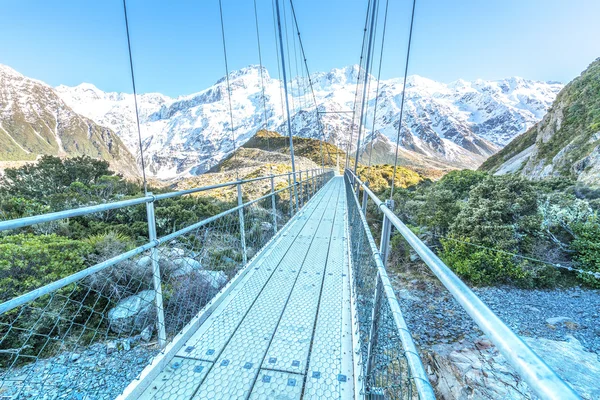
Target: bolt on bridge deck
[[284, 329]]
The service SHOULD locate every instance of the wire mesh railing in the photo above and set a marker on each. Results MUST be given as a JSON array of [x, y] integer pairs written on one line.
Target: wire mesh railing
[[533, 370], [390, 367], [88, 334]]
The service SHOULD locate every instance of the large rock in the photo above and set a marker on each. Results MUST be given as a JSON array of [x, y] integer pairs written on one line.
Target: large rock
[[185, 266], [216, 279], [477, 370], [266, 226], [132, 313]]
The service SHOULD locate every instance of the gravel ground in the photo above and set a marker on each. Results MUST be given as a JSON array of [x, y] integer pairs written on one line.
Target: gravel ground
[[434, 317], [98, 372]]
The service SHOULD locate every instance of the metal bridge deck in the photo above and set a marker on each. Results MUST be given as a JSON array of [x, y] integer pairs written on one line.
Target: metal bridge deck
[[284, 329]]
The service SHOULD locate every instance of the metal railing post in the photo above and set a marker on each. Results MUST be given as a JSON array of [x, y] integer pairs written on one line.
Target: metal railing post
[[314, 182], [365, 198], [273, 204], [156, 278], [300, 188], [242, 227], [386, 230], [319, 180], [291, 201]]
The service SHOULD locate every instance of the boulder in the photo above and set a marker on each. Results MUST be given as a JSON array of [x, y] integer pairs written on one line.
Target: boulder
[[132, 313], [216, 279], [266, 226], [184, 266], [478, 371], [111, 347], [146, 334], [176, 252], [144, 262]]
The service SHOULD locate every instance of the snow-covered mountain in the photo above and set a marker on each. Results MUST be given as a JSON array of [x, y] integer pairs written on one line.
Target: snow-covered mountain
[[459, 124], [35, 121]]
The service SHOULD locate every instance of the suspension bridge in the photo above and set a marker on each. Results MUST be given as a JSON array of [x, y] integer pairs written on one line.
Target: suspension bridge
[[283, 296]]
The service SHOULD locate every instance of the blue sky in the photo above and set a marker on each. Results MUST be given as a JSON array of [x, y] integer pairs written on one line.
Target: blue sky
[[177, 44]]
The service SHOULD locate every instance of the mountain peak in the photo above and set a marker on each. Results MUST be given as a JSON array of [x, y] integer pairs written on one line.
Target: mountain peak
[[251, 71], [6, 70]]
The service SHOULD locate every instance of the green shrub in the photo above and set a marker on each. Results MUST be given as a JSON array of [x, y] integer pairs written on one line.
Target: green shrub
[[480, 266], [29, 261], [586, 246]]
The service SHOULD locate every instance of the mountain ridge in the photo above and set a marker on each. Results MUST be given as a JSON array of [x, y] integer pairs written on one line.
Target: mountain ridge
[[566, 142], [34, 121], [458, 124]]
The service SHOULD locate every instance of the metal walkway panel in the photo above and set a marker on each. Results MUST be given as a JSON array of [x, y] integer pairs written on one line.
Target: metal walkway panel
[[179, 380], [237, 367], [214, 334], [330, 369], [290, 346], [277, 385]]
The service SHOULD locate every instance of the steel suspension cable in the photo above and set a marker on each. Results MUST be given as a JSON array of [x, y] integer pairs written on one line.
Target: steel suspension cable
[[365, 82], [262, 81], [412, 20], [349, 143], [278, 66], [368, 74], [260, 64], [137, 115], [378, 79], [289, 57], [312, 89], [298, 85], [287, 106], [228, 90]]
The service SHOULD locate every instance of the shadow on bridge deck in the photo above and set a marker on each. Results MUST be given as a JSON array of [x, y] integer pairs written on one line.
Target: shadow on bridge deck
[[283, 329]]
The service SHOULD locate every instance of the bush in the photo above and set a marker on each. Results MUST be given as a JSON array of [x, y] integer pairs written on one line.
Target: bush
[[483, 266], [28, 261], [478, 265], [121, 280], [586, 246]]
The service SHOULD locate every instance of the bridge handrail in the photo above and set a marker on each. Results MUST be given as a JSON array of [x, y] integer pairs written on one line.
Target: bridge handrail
[[81, 211], [384, 286], [534, 371]]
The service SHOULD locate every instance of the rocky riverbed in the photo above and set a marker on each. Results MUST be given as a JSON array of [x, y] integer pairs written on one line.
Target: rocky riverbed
[[99, 372], [561, 325]]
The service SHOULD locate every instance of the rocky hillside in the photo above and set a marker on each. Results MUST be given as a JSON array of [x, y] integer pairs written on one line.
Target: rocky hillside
[[315, 150], [566, 142], [35, 121], [459, 124]]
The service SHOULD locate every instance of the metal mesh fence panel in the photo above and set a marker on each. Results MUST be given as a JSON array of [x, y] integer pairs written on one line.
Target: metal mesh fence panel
[[385, 371], [364, 275], [54, 346]]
